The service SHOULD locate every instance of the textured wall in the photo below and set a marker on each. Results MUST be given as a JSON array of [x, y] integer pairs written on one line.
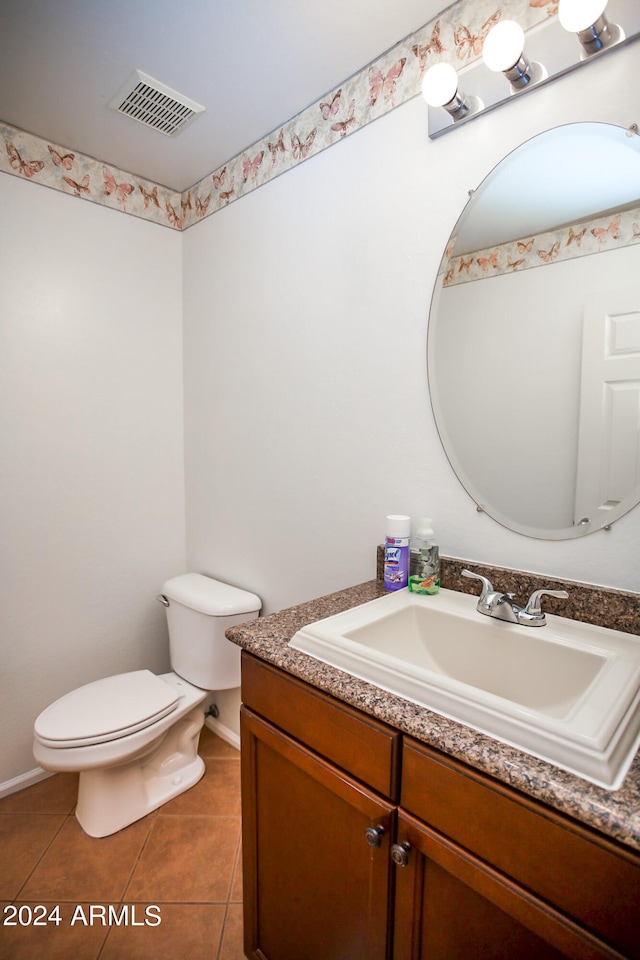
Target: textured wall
[[92, 465]]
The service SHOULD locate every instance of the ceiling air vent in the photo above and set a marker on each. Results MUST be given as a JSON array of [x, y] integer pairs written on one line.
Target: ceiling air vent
[[146, 100]]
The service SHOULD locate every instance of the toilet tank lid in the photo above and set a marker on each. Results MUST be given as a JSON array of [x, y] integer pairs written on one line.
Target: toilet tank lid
[[209, 596]]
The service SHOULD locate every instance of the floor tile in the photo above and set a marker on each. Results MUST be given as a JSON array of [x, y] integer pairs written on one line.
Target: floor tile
[[81, 868], [217, 794], [188, 859], [189, 930], [57, 794], [50, 941], [185, 858], [23, 840]]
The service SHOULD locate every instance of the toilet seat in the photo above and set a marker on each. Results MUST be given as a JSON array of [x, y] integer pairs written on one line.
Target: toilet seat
[[106, 710]]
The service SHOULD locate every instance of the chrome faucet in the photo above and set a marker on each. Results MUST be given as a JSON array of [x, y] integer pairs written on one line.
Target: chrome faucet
[[503, 607]]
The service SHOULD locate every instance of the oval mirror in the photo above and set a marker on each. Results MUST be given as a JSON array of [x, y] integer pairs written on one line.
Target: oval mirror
[[533, 348]]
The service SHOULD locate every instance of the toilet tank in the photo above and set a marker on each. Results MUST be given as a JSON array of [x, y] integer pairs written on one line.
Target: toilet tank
[[199, 611]]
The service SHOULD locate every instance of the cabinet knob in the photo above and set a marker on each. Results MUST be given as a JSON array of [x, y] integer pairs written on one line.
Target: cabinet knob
[[374, 835], [400, 853]]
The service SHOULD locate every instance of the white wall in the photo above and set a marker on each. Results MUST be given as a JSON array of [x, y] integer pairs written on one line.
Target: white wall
[[92, 485], [306, 305]]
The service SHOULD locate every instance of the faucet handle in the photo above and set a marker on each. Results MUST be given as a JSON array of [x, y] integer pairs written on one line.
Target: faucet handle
[[487, 586], [533, 607]]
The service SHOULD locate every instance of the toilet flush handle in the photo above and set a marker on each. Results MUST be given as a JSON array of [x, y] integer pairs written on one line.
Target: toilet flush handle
[[163, 600]]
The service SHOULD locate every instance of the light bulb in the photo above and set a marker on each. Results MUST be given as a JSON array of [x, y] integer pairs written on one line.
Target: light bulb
[[440, 89], [578, 15], [504, 45], [503, 52], [440, 84], [587, 19]]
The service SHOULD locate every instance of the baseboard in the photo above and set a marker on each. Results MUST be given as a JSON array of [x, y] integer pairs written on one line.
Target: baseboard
[[24, 780], [223, 732]]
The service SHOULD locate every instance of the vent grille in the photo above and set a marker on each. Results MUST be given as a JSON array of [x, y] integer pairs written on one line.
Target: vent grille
[[150, 102]]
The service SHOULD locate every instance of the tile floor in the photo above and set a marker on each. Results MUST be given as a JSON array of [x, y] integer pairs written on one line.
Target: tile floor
[[183, 859]]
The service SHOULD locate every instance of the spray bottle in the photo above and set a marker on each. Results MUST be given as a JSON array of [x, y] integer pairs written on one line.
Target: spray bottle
[[396, 552], [425, 560]]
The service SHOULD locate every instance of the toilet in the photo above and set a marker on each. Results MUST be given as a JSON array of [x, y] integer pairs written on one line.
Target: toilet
[[134, 737]]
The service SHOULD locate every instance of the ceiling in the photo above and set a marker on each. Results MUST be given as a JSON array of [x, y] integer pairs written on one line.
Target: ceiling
[[253, 64]]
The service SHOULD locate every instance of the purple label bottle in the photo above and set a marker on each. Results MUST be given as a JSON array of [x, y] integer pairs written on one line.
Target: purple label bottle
[[396, 552]]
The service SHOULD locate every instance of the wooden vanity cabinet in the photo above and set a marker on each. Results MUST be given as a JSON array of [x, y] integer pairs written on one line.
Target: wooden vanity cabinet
[[345, 861], [316, 840]]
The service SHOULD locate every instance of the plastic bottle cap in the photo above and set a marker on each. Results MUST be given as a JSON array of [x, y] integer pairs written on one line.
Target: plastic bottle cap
[[425, 530], [398, 525]]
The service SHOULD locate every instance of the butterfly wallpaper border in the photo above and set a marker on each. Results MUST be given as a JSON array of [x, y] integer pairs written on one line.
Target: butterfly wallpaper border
[[593, 235], [455, 35]]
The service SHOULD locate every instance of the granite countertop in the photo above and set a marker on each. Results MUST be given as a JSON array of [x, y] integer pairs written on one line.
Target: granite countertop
[[616, 814]]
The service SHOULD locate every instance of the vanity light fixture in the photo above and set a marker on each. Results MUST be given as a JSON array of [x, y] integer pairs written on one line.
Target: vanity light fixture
[[587, 19], [580, 33], [503, 52], [440, 89]]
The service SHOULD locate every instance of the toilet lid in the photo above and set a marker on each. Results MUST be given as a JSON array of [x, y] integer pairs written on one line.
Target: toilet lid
[[106, 709]]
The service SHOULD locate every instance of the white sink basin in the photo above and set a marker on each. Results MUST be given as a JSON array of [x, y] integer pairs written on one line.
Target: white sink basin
[[567, 692]]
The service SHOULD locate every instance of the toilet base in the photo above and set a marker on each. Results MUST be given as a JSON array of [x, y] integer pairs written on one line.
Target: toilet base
[[111, 798]]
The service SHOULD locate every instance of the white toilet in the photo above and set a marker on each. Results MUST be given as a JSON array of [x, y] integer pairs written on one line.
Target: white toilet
[[134, 737]]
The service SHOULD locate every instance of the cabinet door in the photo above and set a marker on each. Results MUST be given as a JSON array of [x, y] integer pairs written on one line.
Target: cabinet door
[[450, 905], [314, 885]]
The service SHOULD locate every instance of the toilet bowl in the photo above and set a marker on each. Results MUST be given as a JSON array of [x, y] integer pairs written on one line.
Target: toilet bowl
[[134, 737]]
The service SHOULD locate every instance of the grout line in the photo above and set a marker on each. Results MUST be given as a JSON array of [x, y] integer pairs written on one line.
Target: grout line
[[236, 860], [222, 933], [65, 817], [154, 818]]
